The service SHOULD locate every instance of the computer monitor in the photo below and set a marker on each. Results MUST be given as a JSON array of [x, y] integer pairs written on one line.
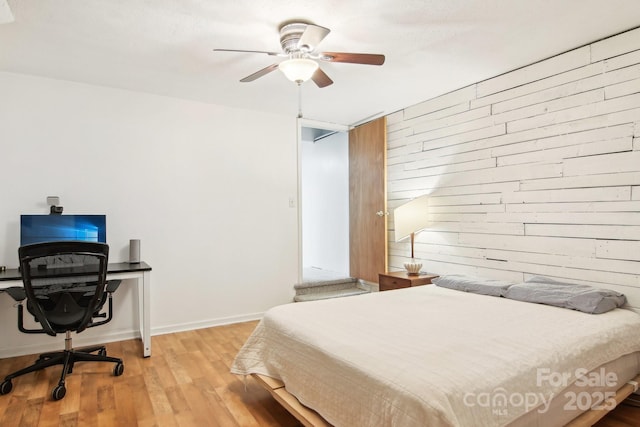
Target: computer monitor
[[49, 228]]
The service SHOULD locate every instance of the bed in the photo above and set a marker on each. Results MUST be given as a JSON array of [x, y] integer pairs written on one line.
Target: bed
[[432, 356]]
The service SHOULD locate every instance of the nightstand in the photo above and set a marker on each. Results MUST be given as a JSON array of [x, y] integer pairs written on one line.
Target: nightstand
[[400, 279]]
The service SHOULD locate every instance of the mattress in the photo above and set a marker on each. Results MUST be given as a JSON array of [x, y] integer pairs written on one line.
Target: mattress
[[439, 357]]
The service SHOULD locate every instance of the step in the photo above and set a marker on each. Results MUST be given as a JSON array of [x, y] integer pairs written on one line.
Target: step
[[329, 287], [330, 294], [325, 284]]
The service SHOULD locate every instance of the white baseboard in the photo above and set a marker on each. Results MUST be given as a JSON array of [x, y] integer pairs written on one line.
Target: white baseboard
[[205, 324]]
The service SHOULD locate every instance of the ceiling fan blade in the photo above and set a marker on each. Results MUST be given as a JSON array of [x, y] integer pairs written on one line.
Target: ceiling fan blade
[[5, 13], [260, 73], [250, 51], [321, 79], [311, 37], [353, 58]]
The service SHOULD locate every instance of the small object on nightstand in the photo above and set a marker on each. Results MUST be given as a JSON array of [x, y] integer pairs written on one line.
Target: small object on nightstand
[[413, 267], [402, 279]]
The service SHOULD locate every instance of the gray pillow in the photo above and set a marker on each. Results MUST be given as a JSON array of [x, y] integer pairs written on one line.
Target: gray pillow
[[476, 285], [543, 290]]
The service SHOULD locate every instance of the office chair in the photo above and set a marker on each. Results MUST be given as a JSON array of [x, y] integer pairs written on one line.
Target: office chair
[[65, 288]]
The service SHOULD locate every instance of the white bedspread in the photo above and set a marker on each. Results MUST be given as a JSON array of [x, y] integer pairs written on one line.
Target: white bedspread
[[429, 356]]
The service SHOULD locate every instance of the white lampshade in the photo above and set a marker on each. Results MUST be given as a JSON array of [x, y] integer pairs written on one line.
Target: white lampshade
[[298, 69], [411, 217], [408, 220]]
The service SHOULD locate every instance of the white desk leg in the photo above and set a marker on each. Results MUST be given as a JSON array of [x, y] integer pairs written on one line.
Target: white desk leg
[[145, 313]]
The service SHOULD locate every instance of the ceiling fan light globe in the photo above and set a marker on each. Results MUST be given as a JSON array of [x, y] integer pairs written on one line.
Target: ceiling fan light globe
[[298, 69]]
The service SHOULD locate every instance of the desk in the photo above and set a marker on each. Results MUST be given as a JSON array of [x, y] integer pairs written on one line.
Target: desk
[[121, 270]]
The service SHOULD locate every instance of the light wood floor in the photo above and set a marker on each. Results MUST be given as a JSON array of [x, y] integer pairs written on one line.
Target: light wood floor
[[185, 383]]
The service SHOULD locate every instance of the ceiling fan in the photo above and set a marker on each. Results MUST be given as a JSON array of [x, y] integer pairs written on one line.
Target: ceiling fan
[[299, 42]]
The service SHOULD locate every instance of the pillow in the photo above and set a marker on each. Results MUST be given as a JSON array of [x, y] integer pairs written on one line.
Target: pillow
[[543, 290], [476, 285]]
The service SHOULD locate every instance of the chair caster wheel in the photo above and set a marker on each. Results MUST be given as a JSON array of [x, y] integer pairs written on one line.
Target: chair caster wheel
[[6, 387], [58, 392], [118, 369], [102, 352]]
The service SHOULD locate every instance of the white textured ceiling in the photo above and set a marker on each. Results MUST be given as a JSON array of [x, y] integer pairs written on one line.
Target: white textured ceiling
[[165, 46]]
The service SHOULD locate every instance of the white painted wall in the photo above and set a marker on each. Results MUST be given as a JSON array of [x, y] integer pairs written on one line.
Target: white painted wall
[[325, 203], [536, 171], [204, 187]]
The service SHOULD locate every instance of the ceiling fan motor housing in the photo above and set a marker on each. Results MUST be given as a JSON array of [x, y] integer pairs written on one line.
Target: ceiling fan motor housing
[[290, 36]]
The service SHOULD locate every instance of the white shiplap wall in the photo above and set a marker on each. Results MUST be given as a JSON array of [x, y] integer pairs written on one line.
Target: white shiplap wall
[[536, 171]]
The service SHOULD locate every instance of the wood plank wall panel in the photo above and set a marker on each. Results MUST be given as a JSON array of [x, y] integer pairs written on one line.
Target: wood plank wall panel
[[536, 171]]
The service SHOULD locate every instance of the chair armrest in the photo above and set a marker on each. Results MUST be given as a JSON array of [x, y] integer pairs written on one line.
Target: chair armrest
[[112, 285], [17, 293]]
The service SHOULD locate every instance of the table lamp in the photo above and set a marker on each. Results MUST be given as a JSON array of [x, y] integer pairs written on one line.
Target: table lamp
[[409, 219]]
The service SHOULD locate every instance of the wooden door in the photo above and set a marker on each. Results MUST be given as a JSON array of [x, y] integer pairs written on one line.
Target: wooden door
[[367, 200]]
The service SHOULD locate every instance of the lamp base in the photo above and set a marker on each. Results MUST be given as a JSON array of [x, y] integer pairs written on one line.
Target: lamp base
[[413, 267]]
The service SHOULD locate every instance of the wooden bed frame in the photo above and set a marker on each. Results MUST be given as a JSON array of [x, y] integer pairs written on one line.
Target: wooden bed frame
[[310, 418]]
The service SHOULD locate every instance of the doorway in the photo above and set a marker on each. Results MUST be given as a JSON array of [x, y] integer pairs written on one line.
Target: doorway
[[324, 201]]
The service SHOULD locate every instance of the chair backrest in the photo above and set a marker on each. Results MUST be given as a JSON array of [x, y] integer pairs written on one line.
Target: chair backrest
[[64, 281]]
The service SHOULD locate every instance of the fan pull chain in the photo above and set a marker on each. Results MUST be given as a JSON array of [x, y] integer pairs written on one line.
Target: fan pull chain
[[299, 100]]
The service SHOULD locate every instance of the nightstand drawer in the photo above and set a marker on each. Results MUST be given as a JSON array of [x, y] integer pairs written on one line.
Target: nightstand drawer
[[400, 279], [387, 283]]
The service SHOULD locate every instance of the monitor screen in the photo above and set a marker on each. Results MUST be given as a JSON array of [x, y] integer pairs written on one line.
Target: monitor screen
[[48, 228]]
